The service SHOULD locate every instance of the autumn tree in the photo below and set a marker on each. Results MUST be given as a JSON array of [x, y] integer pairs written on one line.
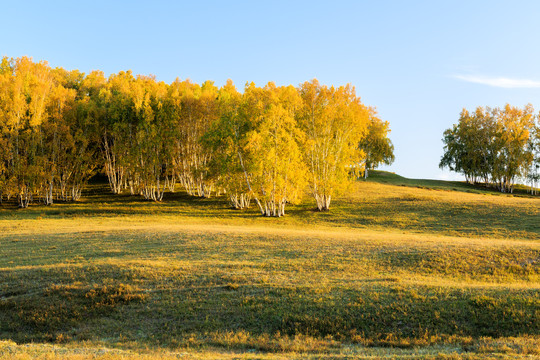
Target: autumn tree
[[332, 120], [151, 148], [6, 73], [533, 173], [230, 163], [101, 102], [376, 145], [491, 145], [135, 131], [25, 86], [514, 158], [273, 144], [468, 146], [266, 145], [44, 149], [197, 111]]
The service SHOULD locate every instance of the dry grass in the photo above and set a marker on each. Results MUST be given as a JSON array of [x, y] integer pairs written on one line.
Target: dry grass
[[392, 272], [487, 349]]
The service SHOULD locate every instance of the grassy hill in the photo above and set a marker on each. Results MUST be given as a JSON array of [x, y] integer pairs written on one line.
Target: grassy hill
[[399, 268]]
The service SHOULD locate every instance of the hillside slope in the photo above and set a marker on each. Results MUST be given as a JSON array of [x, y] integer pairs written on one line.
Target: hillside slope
[[391, 271]]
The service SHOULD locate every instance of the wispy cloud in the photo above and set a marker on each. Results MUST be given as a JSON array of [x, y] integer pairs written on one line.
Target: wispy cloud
[[502, 82]]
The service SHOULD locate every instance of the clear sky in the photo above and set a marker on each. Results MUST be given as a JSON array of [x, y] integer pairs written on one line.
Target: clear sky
[[418, 62]]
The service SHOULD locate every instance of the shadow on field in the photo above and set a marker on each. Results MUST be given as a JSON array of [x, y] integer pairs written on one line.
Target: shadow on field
[[179, 308], [437, 209]]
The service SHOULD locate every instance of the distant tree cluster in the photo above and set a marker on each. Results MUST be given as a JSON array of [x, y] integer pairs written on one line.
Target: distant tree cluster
[[495, 146], [266, 145]]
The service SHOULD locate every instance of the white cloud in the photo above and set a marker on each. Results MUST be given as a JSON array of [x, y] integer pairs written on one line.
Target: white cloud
[[499, 81]]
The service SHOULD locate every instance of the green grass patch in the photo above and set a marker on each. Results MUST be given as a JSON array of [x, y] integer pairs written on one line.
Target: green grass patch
[[392, 271]]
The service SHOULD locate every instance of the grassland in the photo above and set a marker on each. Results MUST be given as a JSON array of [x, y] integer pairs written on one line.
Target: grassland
[[399, 268]]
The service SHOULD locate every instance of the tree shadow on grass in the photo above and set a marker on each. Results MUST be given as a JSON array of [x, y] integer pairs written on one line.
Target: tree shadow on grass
[[93, 302]]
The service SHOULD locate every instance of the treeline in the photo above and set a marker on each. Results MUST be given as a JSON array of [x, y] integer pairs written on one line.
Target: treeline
[[495, 146], [266, 145]]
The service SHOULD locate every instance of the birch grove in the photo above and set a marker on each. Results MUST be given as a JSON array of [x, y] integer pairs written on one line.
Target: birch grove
[[333, 120], [226, 139], [494, 146], [278, 170], [43, 153], [265, 146]]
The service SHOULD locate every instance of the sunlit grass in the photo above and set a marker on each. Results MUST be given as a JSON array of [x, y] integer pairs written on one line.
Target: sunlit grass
[[390, 206], [395, 271]]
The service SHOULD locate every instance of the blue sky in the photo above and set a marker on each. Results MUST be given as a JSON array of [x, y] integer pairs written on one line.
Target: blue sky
[[418, 62]]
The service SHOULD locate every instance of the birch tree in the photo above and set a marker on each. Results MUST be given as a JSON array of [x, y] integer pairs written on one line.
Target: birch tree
[[533, 173], [152, 143], [117, 130], [514, 158], [492, 145], [78, 145], [273, 145], [376, 146], [197, 111], [26, 87], [58, 127], [332, 120], [472, 145], [230, 163]]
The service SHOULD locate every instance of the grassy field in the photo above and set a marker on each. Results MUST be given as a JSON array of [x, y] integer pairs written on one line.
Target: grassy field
[[398, 268]]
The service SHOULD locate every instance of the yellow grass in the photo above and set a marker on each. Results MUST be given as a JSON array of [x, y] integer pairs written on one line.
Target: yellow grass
[[391, 272]]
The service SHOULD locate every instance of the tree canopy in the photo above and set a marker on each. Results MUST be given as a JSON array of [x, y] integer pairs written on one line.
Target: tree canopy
[[269, 145], [496, 146]]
